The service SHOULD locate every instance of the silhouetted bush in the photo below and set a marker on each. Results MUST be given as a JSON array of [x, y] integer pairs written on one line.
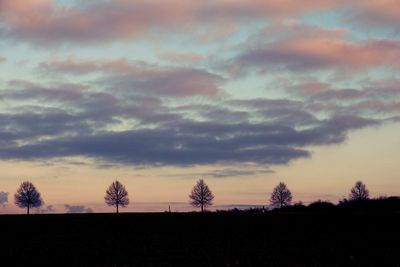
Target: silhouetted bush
[[252, 210], [382, 204], [321, 205], [296, 207]]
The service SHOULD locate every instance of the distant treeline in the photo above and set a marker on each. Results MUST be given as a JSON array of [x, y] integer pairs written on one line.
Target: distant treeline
[[381, 204]]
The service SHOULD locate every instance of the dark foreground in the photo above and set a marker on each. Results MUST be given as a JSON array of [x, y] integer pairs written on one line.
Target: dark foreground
[[186, 239]]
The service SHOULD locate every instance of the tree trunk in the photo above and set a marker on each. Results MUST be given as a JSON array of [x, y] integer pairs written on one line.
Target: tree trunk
[[117, 208], [27, 210], [202, 209]]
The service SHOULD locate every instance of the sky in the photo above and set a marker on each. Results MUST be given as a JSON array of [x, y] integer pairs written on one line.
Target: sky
[[161, 93]]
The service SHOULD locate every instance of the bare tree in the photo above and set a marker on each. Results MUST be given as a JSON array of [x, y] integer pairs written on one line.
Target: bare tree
[[116, 195], [201, 195], [27, 196], [281, 195], [359, 191]]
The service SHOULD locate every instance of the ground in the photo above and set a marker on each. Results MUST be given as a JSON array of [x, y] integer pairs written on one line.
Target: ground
[[193, 239]]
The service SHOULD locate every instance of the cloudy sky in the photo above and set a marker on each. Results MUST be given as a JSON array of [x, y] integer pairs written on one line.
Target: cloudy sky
[[160, 93]]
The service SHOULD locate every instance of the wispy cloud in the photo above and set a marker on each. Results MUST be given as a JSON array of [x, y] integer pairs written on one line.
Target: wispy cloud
[[3, 198], [47, 209], [238, 170], [180, 57], [77, 209], [140, 77]]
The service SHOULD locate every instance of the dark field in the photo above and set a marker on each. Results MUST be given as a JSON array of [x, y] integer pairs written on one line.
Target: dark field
[[214, 239]]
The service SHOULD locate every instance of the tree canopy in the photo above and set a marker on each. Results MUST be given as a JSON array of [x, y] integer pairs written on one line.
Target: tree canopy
[[359, 192], [27, 196], [201, 195], [117, 195], [281, 196]]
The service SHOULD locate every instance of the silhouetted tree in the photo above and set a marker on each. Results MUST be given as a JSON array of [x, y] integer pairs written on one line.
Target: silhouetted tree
[[27, 196], [116, 195], [321, 205], [359, 191], [281, 195], [201, 195]]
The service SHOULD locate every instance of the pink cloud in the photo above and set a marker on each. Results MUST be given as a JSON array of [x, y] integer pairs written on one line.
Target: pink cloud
[[49, 22], [20, 11], [303, 48], [44, 21], [340, 52]]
